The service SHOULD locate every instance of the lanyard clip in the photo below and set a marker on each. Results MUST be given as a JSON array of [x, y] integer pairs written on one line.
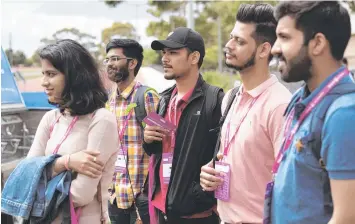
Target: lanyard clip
[[273, 176], [172, 140]]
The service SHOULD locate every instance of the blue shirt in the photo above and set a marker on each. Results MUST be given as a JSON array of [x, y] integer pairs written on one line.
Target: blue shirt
[[298, 192]]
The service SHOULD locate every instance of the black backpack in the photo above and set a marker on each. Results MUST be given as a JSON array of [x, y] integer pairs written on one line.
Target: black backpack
[[139, 99], [211, 100]]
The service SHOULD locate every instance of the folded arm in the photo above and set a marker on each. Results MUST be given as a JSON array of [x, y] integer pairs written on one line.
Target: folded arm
[[102, 137]]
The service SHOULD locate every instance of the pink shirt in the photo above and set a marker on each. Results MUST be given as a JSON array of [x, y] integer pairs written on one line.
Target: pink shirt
[[252, 152], [98, 133]]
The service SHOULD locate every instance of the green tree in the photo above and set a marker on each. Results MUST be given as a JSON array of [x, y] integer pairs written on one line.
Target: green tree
[[35, 58], [10, 55], [211, 59], [113, 3], [86, 40], [172, 14], [119, 30], [222, 80], [207, 26], [150, 57], [158, 8], [162, 28], [28, 62], [19, 58], [177, 17], [351, 4], [206, 17], [15, 58]]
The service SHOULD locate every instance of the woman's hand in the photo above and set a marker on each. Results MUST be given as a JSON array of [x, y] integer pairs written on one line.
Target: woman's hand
[[86, 162]]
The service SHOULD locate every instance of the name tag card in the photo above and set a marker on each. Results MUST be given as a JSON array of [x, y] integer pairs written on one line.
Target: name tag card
[[222, 192], [154, 119], [167, 162], [121, 161]]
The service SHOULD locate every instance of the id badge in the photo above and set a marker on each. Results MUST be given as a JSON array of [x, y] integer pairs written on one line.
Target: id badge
[[121, 164], [222, 192], [267, 203], [167, 162]]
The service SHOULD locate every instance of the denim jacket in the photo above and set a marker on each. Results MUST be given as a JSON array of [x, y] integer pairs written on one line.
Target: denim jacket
[[29, 191], [55, 199]]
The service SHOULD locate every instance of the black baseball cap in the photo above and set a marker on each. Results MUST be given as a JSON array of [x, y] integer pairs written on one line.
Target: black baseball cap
[[181, 37]]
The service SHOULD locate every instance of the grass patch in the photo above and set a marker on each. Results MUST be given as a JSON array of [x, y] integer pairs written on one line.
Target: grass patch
[[222, 80]]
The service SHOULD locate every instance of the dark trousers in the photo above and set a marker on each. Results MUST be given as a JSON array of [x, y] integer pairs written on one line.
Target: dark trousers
[[5, 218], [213, 219], [129, 216], [124, 216]]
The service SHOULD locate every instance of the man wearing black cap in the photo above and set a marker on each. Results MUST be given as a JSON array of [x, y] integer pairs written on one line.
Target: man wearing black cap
[[193, 106]]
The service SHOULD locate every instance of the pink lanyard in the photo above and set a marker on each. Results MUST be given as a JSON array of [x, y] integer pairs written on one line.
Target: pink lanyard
[[125, 124], [74, 215], [291, 133], [173, 100], [69, 129], [228, 143], [173, 119]]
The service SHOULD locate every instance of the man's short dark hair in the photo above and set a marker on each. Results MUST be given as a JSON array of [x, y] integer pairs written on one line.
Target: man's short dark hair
[[262, 15], [83, 91], [327, 17], [131, 49], [345, 61], [200, 60]]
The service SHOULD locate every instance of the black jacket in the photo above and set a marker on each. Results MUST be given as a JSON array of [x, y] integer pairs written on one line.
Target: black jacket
[[194, 147]]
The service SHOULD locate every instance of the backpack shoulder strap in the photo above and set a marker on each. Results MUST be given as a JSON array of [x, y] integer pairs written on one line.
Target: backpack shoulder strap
[[139, 99], [140, 111], [211, 99], [317, 123], [231, 97], [321, 112], [294, 99]]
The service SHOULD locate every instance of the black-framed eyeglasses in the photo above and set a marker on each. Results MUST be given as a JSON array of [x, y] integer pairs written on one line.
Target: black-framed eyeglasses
[[114, 59]]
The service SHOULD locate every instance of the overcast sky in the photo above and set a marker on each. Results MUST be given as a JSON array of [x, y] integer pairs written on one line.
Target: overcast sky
[[28, 21]]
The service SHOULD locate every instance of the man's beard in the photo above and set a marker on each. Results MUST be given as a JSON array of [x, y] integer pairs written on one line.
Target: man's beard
[[249, 63], [118, 75], [297, 68], [172, 76]]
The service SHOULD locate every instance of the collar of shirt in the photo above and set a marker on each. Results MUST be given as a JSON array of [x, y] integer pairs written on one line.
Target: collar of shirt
[[186, 97], [176, 107], [127, 92], [306, 97], [260, 88]]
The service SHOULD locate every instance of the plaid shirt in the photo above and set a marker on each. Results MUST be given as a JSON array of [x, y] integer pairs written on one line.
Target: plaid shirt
[[138, 160]]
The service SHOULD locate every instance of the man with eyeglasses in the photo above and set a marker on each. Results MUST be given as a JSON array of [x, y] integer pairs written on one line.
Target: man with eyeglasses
[[128, 100]]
